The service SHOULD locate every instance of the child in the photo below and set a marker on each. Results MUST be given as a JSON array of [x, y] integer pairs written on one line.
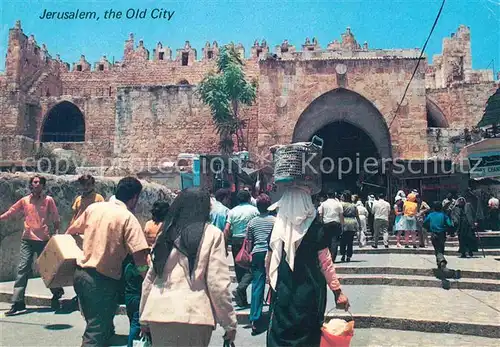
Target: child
[[133, 290], [438, 223], [153, 226]]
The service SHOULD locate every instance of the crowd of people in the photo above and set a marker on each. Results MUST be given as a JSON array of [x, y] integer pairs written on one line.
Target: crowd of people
[[410, 217], [173, 273], [345, 215]]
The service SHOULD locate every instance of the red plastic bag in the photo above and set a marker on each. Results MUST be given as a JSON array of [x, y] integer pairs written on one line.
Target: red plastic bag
[[244, 256]]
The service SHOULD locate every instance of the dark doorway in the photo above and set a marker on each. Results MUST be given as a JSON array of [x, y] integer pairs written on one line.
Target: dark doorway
[[348, 148], [64, 123]]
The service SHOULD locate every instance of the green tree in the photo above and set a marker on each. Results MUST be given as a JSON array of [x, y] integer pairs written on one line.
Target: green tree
[[225, 92]]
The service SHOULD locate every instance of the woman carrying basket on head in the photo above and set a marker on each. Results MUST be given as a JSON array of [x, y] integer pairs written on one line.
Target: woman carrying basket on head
[[300, 268], [298, 262]]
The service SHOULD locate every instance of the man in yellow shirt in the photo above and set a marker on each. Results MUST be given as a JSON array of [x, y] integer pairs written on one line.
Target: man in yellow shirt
[[89, 196], [111, 231]]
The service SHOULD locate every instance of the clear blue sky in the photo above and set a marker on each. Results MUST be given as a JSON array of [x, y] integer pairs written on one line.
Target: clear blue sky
[[383, 23]]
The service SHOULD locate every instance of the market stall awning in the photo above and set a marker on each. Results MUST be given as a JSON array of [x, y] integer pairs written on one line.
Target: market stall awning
[[481, 159], [491, 116]]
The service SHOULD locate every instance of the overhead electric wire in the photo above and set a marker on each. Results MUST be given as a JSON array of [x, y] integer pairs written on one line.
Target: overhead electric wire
[[418, 63]]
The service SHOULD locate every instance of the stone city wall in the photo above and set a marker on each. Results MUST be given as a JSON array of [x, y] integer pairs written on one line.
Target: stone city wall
[[64, 190]]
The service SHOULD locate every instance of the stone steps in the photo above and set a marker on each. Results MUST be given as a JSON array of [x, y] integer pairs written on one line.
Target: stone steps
[[402, 271], [431, 310], [392, 242], [387, 291], [373, 337], [450, 251], [38, 322], [420, 281]]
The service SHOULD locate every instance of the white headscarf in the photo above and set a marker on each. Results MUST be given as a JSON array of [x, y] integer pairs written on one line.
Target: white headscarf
[[371, 200], [359, 203], [400, 196], [296, 213]]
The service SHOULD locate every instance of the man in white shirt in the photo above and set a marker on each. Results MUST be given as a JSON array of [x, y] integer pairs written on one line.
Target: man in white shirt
[[332, 215], [381, 212], [369, 207]]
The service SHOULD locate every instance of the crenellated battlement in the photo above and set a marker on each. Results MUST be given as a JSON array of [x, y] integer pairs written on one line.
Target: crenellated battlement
[[26, 60], [135, 53], [345, 48], [454, 64]]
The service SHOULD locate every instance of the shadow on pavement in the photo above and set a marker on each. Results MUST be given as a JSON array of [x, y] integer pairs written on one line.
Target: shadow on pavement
[[58, 326], [445, 274]]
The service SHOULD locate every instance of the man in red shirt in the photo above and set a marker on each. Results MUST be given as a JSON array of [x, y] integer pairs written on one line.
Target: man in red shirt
[[38, 210]]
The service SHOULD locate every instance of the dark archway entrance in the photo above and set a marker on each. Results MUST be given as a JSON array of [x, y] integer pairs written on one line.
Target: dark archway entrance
[[351, 151], [64, 123], [353, 129]]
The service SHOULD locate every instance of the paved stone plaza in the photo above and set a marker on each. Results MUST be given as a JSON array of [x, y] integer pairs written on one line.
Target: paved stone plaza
[[396, 301], [44, 328]]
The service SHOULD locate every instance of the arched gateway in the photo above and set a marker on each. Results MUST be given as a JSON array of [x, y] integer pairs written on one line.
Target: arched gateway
[[63, 123], [354, 133]]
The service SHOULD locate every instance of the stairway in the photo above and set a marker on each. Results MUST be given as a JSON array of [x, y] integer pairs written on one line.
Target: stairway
[[391, 293]]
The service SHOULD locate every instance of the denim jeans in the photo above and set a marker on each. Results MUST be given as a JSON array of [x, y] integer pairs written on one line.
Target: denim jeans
[[135, 327], [132, 303], [258, 285], [24, 270]]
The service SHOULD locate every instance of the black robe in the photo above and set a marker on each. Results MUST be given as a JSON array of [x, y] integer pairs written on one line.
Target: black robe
[[298, 306], [463, 220]]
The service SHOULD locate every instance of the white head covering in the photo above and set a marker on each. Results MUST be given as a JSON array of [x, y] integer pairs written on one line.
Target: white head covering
[[371, 200], [359, 203], [296, 213], [400, 196]]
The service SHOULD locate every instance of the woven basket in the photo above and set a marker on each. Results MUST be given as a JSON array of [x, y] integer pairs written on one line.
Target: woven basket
[[298, 164]]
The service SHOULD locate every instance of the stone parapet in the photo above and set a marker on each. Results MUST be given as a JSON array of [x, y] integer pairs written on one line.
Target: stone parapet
[[16, 147], [64, 190]]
